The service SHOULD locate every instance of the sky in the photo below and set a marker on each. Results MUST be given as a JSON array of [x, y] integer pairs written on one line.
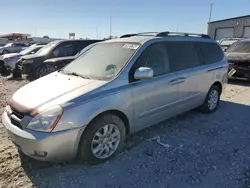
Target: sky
[[91, 18]]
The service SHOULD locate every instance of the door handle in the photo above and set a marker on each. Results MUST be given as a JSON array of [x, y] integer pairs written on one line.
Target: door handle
[[217, 68], [177, 81]]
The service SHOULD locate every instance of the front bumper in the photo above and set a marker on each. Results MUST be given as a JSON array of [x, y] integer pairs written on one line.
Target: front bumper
[[241, 72], [54, 146]]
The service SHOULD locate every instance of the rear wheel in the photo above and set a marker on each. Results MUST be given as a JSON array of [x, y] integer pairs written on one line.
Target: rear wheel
[[212, 100], [102, 139]]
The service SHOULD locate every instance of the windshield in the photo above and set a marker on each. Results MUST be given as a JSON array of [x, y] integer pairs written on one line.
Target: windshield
[[228, 42], [28, 50], [240, 47], [85, 49], [8, 45], [47, 48], [103, 61]]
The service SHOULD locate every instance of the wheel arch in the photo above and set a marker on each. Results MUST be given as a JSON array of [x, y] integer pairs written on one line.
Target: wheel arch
[[219, 85], [118, 113]]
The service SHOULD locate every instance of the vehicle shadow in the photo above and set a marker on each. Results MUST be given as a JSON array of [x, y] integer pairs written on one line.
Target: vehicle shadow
[[138, 150], [239, 82]]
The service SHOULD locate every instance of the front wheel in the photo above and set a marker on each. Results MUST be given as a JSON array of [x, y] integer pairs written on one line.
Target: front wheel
[[5, 52], [212, 100], [41, 71], [102, 139]]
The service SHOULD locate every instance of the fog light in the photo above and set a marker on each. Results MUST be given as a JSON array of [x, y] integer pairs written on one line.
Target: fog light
[[40, 153]]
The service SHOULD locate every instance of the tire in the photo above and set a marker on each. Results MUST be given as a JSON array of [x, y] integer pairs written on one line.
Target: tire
[[40, 71], [209, 105], [86, 146], [5, 52]]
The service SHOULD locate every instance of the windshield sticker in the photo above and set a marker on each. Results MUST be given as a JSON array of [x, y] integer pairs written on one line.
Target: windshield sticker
[[131, 46], [111, 70]]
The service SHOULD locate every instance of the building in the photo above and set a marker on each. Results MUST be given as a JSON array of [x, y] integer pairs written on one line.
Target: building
[[232, 27]]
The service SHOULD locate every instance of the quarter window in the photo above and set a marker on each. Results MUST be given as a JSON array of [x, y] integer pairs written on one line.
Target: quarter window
[[211, 52]]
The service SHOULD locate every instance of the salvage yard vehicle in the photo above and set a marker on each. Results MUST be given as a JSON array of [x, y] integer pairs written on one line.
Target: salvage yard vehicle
[[12, 48], [238, 56], [33, 66], [225, 43], [9, 60], [59, 62], [116, 88]]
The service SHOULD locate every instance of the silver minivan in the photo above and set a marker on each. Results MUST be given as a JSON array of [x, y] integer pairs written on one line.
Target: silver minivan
[[115, 88]]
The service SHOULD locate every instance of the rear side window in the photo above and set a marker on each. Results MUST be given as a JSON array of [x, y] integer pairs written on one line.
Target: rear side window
[[210, 52], [182, 55]]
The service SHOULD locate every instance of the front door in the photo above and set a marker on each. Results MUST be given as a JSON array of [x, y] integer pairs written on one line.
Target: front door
[[154, 99]]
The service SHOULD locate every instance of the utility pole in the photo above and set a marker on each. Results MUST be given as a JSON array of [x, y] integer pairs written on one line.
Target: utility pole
[[110, 26], [96, 32], [210, 13]]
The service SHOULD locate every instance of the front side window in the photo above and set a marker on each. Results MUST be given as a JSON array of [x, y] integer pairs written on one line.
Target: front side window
[[64, 50], [155, 57], [182, 55], [102, 61], [20, 45]]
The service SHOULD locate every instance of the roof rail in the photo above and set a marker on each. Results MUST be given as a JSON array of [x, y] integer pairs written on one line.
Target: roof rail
[[165, 34], [127, 35]]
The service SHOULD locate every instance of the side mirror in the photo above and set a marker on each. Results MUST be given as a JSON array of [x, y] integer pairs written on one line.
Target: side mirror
[[143, 73]]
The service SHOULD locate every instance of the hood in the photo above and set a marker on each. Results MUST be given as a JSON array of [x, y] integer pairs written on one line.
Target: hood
[[31, 56], [235, 56], [50, 90], [60, 59], [10, 55]]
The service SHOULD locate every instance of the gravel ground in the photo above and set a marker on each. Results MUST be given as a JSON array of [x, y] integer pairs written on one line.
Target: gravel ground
[[192, 150]]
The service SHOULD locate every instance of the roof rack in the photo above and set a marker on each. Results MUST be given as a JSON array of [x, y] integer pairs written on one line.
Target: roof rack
[[165, 34]]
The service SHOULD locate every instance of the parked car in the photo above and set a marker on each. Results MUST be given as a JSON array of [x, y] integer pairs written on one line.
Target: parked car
[[33, 64], [60, 62], [118, 87], [238, 56], [9, 60], [12, 48], [225, 43]]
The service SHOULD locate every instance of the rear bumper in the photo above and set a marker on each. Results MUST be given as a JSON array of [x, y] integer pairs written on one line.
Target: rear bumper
[[54, 146]]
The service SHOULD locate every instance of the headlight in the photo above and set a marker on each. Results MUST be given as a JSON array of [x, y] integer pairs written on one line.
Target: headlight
[[9, 58], [47, 120]]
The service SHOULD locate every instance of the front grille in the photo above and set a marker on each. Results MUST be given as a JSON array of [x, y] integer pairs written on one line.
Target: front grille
[[16, 123], [16, 118], [17, 114]]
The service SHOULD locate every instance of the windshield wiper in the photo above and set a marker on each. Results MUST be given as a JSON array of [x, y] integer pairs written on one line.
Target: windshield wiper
[[75, 74]]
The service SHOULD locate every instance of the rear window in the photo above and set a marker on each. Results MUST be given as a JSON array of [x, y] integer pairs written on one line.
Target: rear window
[[211, 52]]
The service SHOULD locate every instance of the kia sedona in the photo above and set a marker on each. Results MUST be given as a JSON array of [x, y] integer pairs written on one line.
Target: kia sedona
[[114, 89]]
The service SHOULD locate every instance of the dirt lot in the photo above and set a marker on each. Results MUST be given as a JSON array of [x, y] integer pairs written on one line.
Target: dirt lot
[[191, 150]]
